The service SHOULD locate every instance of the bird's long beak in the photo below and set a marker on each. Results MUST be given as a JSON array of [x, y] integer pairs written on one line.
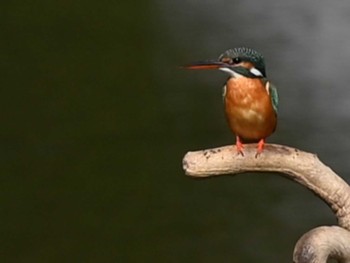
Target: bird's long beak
[[233, 71], [205, 65]]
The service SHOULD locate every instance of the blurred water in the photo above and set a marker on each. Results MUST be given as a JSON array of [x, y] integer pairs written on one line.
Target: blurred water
[[97, 117]]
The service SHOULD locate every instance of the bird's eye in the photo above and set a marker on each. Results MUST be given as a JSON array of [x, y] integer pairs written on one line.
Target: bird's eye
[[236, 60], [231, 61]]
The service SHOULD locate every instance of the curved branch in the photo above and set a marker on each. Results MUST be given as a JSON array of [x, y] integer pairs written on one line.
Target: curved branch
[[322, 243], [302, 167]]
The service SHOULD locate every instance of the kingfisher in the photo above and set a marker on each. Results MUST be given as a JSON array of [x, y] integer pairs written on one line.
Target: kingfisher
[[251, 101]]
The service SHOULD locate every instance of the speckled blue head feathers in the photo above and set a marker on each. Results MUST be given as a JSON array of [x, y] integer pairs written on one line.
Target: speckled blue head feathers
[[245, 54]]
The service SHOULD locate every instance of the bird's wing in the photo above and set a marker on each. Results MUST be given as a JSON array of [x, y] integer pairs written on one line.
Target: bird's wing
[[272, 90]]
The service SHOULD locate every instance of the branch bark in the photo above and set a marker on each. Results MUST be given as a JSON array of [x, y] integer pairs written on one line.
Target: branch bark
[[322, 243], [303, 167]]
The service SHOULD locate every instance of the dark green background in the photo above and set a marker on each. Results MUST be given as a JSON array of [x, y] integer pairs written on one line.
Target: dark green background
[[96, 116]]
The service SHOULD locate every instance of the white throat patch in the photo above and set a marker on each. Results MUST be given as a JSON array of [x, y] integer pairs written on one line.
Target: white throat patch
[[231, 72], [254, 71]]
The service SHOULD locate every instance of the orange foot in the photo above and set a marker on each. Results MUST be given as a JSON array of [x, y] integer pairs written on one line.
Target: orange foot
[[239, 146], [260, 149]]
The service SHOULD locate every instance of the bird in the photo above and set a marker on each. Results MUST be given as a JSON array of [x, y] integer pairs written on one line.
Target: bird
[[251, 100]]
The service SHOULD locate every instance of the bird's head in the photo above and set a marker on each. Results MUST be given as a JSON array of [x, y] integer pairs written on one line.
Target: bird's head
[[236, 62]]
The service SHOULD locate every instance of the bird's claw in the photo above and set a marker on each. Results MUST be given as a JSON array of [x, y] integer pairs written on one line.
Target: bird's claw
[[260, 149], [239, 146]]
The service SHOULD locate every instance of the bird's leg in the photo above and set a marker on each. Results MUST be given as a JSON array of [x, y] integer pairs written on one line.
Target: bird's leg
[[260, 149], [239, 146]]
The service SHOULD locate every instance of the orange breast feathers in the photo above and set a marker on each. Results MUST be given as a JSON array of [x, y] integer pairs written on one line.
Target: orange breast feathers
[[249, 109]]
